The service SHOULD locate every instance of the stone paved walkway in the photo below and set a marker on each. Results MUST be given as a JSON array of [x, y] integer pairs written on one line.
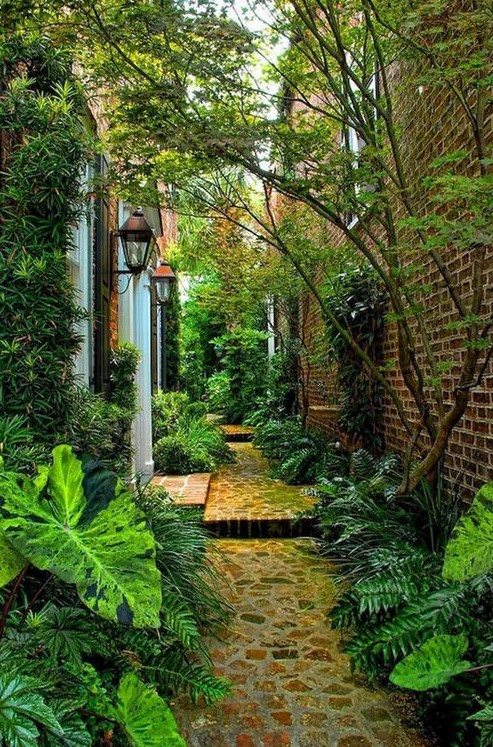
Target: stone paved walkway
[[244, 490], [292, 686]]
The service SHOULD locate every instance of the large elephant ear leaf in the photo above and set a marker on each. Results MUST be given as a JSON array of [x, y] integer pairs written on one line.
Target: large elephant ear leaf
[[469, 552], [145, 717], [65, 479], [109, 556], [11, 562], [433, 664]]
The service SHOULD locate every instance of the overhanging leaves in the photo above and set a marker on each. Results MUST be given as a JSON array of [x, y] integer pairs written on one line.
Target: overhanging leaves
[[433, 664]]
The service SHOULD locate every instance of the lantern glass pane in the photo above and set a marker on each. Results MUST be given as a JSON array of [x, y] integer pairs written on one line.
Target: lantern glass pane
[[135, 252], [163, 289]]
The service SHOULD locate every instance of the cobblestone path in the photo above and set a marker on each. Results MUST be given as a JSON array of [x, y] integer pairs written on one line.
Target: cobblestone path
[[292, 686]]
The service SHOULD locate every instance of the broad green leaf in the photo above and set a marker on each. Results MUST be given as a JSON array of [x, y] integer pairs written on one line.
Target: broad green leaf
[[109, 555], [469, 552], [22, 709], [145, 717], [65, 485], [433, 664], [11, 562]]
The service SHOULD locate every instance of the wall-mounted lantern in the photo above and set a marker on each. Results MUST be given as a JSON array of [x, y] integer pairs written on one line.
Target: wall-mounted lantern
[[163, 280], [138, 241]]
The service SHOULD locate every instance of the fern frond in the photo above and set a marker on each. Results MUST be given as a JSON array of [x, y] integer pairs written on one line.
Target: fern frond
[[180, 620], [176, 673]]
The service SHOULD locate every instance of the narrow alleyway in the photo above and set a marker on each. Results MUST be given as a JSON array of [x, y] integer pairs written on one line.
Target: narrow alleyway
[[292, 686]]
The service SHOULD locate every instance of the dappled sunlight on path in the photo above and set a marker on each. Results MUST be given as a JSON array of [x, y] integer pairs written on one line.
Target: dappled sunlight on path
[[244, 490], [292, 687]]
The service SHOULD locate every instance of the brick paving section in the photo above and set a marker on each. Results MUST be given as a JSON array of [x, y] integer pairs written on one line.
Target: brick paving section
[[244, 490], [292, 686], [187, 490]]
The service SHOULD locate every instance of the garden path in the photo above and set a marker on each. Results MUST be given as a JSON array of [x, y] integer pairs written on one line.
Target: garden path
[[292, 685]]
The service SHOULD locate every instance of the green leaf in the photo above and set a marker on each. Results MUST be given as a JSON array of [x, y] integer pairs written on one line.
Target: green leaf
[[433, 664], [11, 562], [21, 710], [65, 485], [469, 552], [145, 717], [485, 714], [109, 554]]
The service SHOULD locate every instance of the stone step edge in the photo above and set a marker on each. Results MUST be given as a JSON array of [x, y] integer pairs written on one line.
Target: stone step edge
[[237, 433], [250, 528]]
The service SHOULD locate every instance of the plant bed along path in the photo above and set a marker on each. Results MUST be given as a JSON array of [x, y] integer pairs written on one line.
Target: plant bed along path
[[292, 685]]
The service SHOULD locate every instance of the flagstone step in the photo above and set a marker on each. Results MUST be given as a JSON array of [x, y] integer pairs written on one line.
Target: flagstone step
[[237, 432], [187, 490]]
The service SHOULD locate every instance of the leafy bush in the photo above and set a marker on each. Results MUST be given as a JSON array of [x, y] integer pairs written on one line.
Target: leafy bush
[[218, 391], [193, 445], [402, 599], [279, 398], [168, 407], [358, 301], [40, 201], [184, 440], [18, 448], [102, 425], [244, 364], [72, 677], [299, 455]]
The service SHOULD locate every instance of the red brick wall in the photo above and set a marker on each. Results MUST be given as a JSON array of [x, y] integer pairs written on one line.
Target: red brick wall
[[432, 125]]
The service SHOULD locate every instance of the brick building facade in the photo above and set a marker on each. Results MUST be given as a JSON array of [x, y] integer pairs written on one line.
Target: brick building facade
[[431, 125]]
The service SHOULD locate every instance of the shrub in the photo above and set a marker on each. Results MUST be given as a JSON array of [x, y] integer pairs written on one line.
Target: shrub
[[193, 445], [75, 677], [243, 360], [101, 425], [169, 407], [400, 596], [40, 201], [218, 391]]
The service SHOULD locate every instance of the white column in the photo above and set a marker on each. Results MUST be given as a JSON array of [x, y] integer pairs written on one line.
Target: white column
[[144, 463]]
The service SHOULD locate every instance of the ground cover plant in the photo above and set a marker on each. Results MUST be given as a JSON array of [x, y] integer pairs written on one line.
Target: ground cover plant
[[184, 439], [299, 455], [415, 595], [96, 632]]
